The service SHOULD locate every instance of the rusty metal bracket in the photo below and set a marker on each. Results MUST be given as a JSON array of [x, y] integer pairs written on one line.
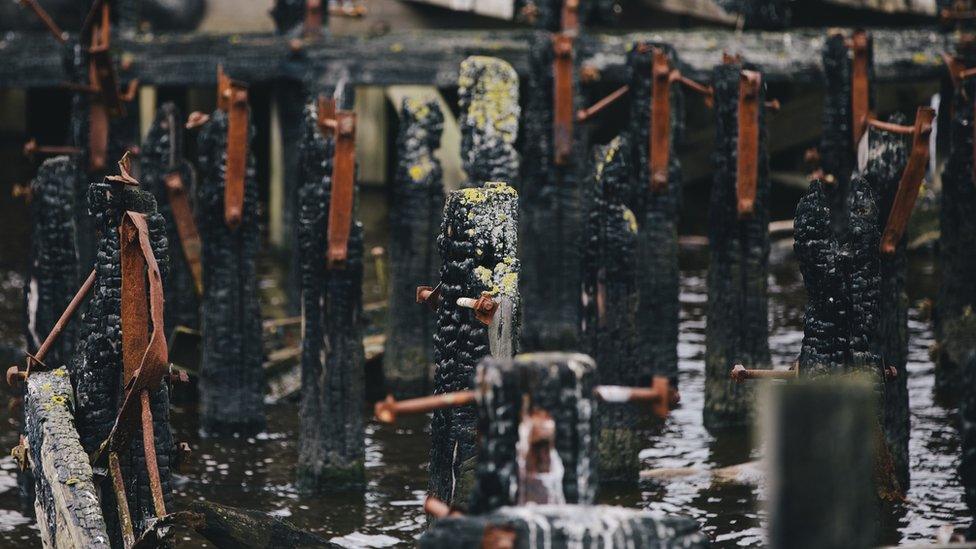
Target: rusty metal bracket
[[186, 227], [341, 200], [910, 183], [387, 410], [325, 115], [860, 92], [429, 296], [32, 149], [233, 100], [660, 395], [585, 114], [747, 151], [46, 19], [660, 135], [562, 102], [484, 307]]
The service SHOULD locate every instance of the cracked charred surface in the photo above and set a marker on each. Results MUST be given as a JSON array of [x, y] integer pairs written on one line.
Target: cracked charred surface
[[162, 154], [967, 417], [609, 326], [478, 248], [331, 453], [560, 384], [657, 223], [97, 371], [488, 97], [563, 526], [231, 375], [551, 213], [737, 330], [954, 312], [66, 504], [418, 201]]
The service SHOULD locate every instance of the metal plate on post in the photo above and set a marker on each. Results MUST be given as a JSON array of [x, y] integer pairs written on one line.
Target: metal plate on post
[[341, 202], [747, 153]]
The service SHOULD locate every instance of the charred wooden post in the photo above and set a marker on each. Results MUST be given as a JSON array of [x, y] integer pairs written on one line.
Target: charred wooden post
[[551, 15], [417, 203], [308, 18], [170, 178], [231, 376], [551, 195], [953, 315], [656, 204], [967, 430], [107, 361], [331, 445], [66, 500], [536, 420], [231, 527], [737, 329], [610, 306], [822, 457], [478, 248], [488, 96], [761, 14], [563, 526]]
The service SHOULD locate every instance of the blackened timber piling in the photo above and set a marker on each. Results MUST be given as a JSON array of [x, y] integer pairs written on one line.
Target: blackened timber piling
[[478, 248], [737, 328], [488, 96], [418, 201], [331, 444], [231, 376]]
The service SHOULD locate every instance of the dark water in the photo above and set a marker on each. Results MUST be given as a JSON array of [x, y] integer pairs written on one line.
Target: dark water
[[258, 472]]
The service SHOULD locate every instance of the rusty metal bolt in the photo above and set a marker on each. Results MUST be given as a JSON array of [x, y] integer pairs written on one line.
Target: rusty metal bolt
[[20, 455], [178, 376], [21, 191], [589, 74], [15, 377], [890, 373], [296, 45], [429, 296], [484, 307], [196, 119]]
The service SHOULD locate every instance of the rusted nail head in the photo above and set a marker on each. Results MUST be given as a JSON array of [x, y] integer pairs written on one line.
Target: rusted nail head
[[15, 376], [739, 373], [196, 119]]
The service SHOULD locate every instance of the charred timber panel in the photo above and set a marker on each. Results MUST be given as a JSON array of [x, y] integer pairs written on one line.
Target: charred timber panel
[[551, 212], [331, 445], [737, 330], [478, 248], [418, 200], [231, 376]]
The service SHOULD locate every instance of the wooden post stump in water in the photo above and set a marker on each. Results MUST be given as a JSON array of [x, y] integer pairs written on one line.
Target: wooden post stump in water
[[170, 178], [331, 445], [967, 431], [417, 204], [231, 376], [737, 329], [478, 248], [536, 420], [488, 96], [610, 305], [564, 526], [821, 460]]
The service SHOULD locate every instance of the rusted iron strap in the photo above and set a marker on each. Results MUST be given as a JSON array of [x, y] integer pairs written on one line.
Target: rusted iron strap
[[326, 115], [562, 101], [911, 181], [69, 311], [747, 152], [387, 410], [313, 18], [45, 18], [237, 126], [149, 449], [585, 114], [122, 503], [186, 226], [860, 104], [341, 200], [660, 134], [569, 17], [97, 136]]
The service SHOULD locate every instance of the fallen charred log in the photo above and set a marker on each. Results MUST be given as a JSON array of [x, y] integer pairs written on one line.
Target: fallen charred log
[[232, 528], [418, 201]]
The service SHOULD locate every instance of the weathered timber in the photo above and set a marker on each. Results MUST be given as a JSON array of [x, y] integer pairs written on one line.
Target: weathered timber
[[955, 336], [760, 14], [66, 504], [232, 528], [160, 160], [821, 458], [563, 526], [478, 248], [157, 14], [231, 378], [488, 97], [547, 15], [609, 300], [97, 370], [536, 427], [431, 57], [656, 202], [551, 208], [737, 330], [418, 201], [331, 442]]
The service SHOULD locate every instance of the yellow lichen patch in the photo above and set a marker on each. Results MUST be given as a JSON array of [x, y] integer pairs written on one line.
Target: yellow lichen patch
[[59, 400], [509, 283], [72, 481], [60, 372], [499, 187], [420, 170], [418, 107], [396, 47], [631, 220], [483, 274], [473, 196]]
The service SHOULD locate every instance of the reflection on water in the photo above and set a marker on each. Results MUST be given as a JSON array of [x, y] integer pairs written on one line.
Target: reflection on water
[[258, 472]]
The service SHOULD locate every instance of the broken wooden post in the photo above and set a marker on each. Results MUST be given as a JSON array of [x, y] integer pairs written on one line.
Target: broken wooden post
[[564, 526], [737, 329], [536, 421], [417, 203], [232, 527], [121, 365], [550, 192], [478, 248], [67, 500], [231, 377], [609, 304], [954, 317], [488, 96], [331, 444], [821, 457], [167, 174]]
